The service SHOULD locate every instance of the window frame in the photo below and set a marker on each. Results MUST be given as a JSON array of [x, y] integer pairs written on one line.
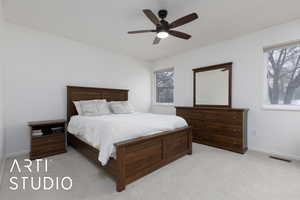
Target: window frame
[[154, 102], [265, 100]]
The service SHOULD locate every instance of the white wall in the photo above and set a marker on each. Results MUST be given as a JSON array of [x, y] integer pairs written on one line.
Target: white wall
[[1, 116], [39, 66], [269, 131], [1, 93]]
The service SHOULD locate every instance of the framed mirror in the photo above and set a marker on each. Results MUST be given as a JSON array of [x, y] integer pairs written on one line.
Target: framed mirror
[[212, 86]]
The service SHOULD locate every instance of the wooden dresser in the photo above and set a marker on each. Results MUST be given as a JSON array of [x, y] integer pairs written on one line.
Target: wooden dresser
[[225, 128]]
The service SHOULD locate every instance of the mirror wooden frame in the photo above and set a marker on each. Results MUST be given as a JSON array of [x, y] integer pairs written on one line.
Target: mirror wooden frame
[[227, 66]]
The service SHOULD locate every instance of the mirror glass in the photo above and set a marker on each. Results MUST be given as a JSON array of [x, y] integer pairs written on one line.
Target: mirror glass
[[212, 86]]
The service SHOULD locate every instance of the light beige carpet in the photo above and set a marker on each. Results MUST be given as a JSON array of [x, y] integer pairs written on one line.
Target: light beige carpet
[[208, 174]]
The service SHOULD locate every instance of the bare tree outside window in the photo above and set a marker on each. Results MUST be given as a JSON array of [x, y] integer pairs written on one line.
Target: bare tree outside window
[[164, 86], [283, 75]]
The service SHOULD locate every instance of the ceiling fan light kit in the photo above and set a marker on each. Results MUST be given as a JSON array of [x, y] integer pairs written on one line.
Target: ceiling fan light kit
[[163, 28], [162, 34]]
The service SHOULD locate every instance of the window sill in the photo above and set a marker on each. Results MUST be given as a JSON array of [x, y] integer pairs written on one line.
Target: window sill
[[281, 107], [163, 104]]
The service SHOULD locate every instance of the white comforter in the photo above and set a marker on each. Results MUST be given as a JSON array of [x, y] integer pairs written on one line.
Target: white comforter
[[104, 131]]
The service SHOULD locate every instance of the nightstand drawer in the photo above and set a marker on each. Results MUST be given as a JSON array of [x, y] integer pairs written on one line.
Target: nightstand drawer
[[48, 139], [47, 150], [51, 145]]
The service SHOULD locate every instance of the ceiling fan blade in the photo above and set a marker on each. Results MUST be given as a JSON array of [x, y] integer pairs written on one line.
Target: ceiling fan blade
[[184, 20], [156, 40], [141, 31], [180, 34], [151, 16]]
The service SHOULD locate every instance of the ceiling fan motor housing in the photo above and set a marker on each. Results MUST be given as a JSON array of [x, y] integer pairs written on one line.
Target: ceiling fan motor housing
[[162, 13], [164, 26]]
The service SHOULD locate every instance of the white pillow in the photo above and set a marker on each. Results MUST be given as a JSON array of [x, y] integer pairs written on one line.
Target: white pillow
[[121, 107], [77, 106], [89, 108], [92, 107], [102, 107]]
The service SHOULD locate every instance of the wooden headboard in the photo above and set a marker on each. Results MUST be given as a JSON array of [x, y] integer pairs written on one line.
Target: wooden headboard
[[89, 93]]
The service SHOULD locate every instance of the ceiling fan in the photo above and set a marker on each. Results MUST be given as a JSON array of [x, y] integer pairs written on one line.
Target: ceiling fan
[[163, 28]]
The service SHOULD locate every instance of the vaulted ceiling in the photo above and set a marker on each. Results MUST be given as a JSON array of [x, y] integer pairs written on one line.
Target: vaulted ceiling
[[105, 23]]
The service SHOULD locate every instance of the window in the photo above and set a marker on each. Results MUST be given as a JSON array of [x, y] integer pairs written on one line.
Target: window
[[283, 75], [164, 86]]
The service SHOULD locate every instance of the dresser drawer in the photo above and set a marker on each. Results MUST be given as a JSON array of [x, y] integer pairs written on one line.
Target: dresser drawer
[[224, 129], [233, 118], [200, 134], [225, 117], [226, 141], [190, 114], [209, 133], [218, 140], [195, 123]]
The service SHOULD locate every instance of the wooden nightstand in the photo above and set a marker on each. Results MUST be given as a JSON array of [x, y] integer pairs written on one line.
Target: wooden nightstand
[[47, 138]]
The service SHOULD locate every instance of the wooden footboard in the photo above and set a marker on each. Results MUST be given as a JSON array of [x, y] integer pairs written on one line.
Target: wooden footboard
[[139, 157]]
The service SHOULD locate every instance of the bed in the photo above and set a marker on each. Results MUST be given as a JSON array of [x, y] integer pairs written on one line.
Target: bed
[[133, 158]]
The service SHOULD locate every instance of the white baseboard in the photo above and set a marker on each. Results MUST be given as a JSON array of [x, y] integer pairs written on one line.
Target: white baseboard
[[16, 154], [289, 157]]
